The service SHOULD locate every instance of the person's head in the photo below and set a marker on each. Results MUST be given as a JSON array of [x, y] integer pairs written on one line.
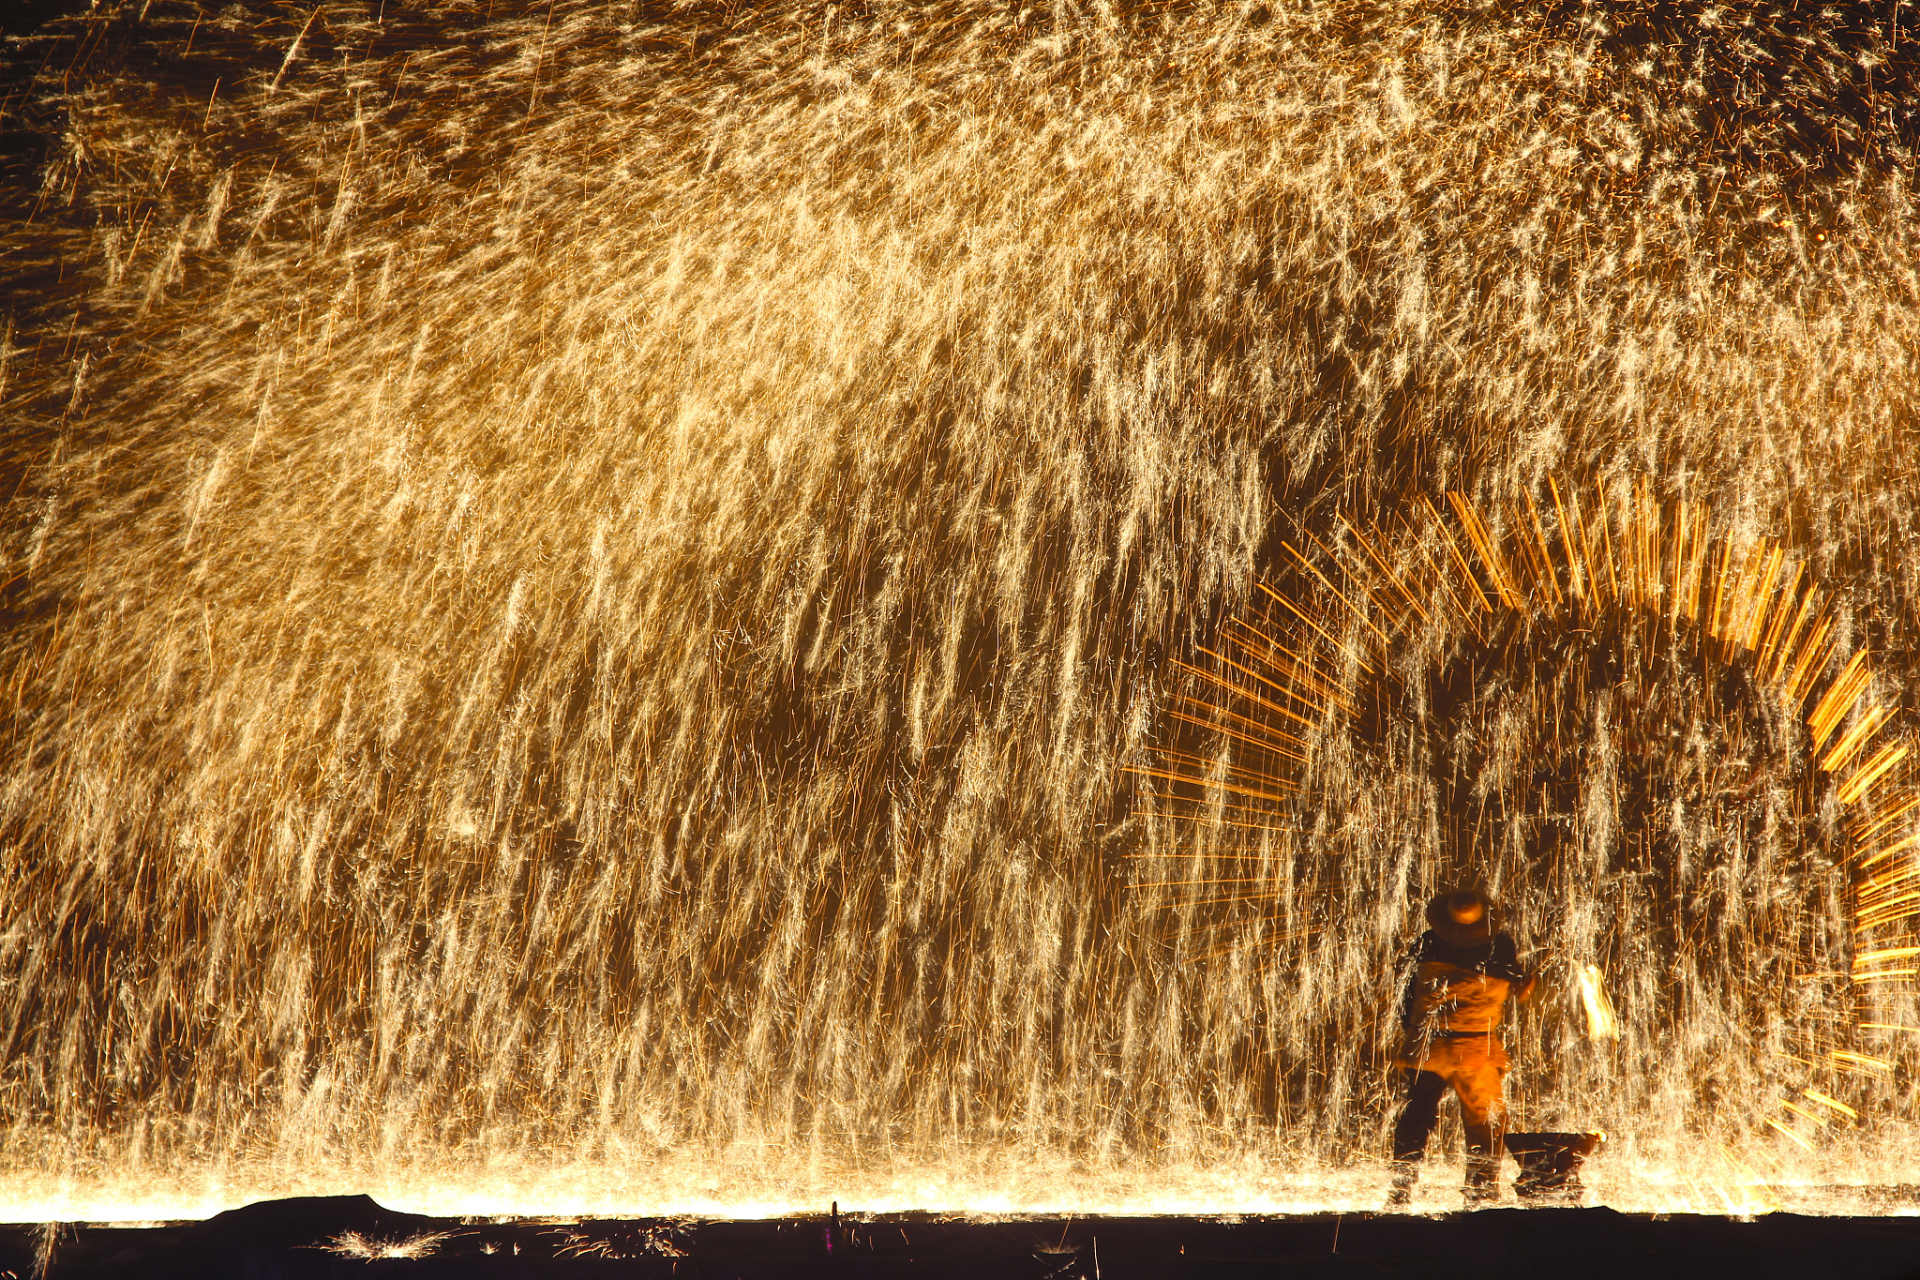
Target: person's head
[[1463, 917]]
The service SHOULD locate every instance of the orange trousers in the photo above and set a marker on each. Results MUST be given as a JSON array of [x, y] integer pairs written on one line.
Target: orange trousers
[[1476, 1069]]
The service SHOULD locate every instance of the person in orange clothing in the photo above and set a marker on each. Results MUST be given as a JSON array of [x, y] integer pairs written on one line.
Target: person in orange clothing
[[1462, 970]]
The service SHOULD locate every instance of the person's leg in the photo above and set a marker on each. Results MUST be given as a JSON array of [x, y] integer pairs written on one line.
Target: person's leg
[[1410, 1132], [1483, 1108]]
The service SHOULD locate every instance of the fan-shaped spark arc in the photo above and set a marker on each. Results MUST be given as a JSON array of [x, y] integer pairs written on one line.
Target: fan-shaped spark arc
[[1579, 564]]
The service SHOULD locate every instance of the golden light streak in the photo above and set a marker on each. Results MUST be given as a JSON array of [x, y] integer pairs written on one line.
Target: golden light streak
[[1768, 660], [1543, 564], [1296, 668], [1380, 567], [1260, 741], [1839, 699], [1897, 847], [1490, 556], [1269, 735], [1775, 1124], [1871, 772], [1231, 788], [1866, 831], [1813, 652], [1808, 608], [1338, 646], [1854, 738], [1576, 560], [1260, 700], [1467, 575], [1832, 1104], [1885, 953], [1358, 613], [1798, 1110]]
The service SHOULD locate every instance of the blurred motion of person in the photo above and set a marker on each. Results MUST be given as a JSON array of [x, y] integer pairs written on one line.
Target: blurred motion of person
[[1461, 971]]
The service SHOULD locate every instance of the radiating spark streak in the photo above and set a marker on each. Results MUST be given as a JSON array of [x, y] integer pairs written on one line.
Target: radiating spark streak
[[1262, 731], [1881, 886], [1257, 698], [1380, 566], [1697, 564], [1903, 907], [1231, 771], [1886, 953], [1872, 772], [1839, 699], [1832, 1104], [1444, 580], [1790, 1133], [1490, 556], [1866, 831], [1715, 615], [1808, 607], [1847, 1059], [1230, 788], [1767, 659], [1603, 520], [1763, 604], [1740, 593], [1897, 847], [1239, 735], [1798, 1110], [1813, 654], [1576, 577], [1544, 568], [1296, 668], [1460, 561], [1295, 610], [1853, 739], [1359, 614]]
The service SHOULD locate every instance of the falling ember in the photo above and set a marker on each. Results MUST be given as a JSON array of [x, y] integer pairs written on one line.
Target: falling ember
[[715, 607], [1601, 1023]]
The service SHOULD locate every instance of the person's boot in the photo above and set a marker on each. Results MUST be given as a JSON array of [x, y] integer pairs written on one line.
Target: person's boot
[[1405, 1174], [1483, 1177]]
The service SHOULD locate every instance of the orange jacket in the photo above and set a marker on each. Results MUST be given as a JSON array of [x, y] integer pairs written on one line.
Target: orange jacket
[[1454, 990]]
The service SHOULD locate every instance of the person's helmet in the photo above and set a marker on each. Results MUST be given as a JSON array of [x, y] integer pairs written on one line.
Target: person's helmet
[[1463, 917]]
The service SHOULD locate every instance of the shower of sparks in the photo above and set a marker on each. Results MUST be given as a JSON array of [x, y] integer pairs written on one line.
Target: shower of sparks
[[1351, 662], [581, 580]]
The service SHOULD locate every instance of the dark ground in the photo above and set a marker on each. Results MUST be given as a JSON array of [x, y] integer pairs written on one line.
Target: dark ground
[[298, 1239]]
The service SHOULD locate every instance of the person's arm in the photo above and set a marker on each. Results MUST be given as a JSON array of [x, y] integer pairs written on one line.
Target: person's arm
[[1506, 964], [1410, 988]]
